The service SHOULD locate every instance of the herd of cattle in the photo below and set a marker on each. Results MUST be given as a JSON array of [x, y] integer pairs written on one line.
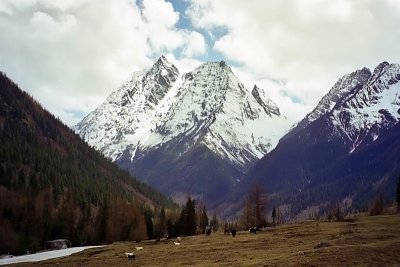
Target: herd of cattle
[[252, 230]]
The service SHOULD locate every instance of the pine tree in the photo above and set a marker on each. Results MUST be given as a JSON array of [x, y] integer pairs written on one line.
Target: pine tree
[[162, 223], [398, 194], [214, 223], [273, 215], [248, 214], [149, 223], [170, 229], [191, 218], [203, 219], [187, 220], [377, 205], [226, 227], [103, 219]]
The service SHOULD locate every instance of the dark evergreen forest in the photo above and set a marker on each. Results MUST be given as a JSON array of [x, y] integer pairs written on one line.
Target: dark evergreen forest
[[53, 185]]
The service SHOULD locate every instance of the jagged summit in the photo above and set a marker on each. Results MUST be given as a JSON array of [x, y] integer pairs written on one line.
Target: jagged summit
[[162, 66], [265, 102], [378, 69]]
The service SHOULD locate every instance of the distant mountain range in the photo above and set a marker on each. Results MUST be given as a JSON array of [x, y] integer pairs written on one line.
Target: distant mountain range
[[347, 150], [194, 133], [204, 133]]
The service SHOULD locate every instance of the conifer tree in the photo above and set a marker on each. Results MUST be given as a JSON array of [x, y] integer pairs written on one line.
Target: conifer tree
[[203, 219], [214, 223], [162, 223], [191, 218], [149, 224], [398, 194], [273, 215], [170, 229], [187, 221]]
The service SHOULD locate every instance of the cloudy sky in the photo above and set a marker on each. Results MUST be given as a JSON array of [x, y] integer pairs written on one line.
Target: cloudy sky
[[71, 54]]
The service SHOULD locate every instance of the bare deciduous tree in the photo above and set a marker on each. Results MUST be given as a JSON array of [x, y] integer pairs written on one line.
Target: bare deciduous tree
[[254, 207]]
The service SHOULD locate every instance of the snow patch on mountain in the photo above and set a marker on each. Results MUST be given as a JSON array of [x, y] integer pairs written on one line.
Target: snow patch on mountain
[[344, 87], [359, 106], [373, 108], [208, 106]]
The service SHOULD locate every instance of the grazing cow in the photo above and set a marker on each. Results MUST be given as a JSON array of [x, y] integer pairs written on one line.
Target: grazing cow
[[177, 243], [254, 230], [233, 232], [139, 248], [130, 255]]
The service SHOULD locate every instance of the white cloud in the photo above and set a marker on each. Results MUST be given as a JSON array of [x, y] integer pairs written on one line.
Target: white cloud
[[64, 5], [71, 54], [160, 20], [339, 10], [308, 44], [202, 14], [7, 6], [76, 54], [46, 27], [184, 65], [194, 44], [159, 13]]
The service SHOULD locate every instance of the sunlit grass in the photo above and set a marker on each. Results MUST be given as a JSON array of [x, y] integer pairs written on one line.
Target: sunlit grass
[[372, 241]]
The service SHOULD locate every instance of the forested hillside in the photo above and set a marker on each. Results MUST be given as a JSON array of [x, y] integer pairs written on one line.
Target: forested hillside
[[53, 185]]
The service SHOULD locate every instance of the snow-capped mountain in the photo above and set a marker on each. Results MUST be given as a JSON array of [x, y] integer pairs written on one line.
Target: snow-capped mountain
[[373, 108], [129, 111], [345, 86], [346, 148], [359, 104], [165, 114]]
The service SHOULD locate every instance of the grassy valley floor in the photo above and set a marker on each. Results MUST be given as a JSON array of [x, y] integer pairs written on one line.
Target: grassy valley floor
[[371, 241]]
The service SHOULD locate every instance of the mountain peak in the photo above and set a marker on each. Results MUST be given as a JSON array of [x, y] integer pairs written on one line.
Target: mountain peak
[[162, 60], [380, 67], [344, 87], [218, 66], [165, 120], [163, 66], [265, 102]]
